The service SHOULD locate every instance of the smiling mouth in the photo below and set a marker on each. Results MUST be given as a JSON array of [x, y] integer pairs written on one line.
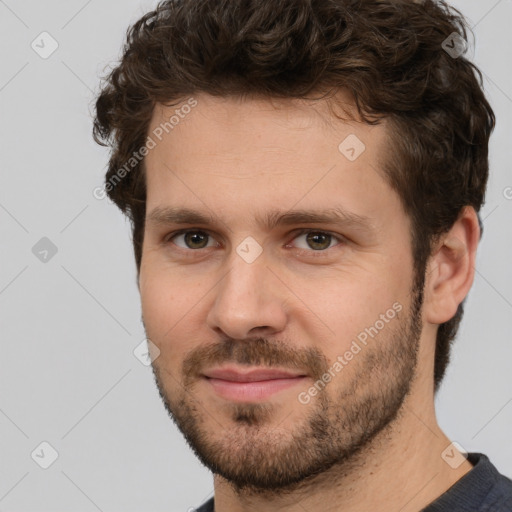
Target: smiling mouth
[[252, 385]]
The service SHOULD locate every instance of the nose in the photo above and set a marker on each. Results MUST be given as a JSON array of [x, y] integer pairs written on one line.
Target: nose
[[249, 301]]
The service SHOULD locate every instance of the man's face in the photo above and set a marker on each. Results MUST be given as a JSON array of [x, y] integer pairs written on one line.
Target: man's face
[[329, 302]]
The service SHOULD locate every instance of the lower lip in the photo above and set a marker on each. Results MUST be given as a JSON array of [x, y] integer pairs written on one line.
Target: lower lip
[[252, 391]]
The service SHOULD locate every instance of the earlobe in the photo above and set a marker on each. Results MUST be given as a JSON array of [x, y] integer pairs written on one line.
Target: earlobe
[[451, 268]]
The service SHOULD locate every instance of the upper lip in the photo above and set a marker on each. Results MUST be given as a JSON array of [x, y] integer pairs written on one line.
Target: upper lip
[[254, 375]]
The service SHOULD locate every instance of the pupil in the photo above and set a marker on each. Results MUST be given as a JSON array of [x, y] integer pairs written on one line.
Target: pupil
[[195, 237], [313, 236]]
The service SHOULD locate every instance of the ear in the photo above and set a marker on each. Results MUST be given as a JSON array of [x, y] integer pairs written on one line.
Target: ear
[[451, 268]]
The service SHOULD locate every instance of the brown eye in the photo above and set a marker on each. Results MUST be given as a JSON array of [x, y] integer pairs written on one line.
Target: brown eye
[[192, 239], [318, 241], [315, 240]]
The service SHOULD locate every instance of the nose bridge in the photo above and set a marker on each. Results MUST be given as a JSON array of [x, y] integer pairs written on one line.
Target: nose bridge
[[245, 280], [245, 298]]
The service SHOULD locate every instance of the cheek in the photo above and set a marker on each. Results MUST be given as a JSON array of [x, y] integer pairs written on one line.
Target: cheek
[[344, 305], [167, 306]]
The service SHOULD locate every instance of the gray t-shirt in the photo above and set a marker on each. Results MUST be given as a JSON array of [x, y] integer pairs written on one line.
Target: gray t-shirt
[[482, 489]]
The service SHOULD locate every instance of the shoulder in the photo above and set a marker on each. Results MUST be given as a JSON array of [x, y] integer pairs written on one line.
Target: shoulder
[[207, 506], [482, 489]]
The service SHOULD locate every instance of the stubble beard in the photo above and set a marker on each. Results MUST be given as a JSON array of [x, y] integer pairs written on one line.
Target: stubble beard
[[256, 456]]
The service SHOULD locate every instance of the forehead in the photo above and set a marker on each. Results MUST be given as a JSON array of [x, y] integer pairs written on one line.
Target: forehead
[[208, 149], [257, 115]]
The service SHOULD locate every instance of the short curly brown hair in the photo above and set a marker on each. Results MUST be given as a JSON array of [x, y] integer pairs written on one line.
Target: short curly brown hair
[[390, 55]]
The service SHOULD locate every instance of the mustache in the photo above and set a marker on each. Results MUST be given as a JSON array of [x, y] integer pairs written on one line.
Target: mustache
[[254, 352]]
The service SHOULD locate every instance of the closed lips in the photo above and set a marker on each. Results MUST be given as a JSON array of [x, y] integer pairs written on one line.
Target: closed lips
[[251, 376]]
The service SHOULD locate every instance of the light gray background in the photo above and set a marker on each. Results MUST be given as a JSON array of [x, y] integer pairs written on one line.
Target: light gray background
[[69, 326]]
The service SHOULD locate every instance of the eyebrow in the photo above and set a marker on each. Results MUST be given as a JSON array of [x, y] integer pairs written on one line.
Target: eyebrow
[[168, 215]]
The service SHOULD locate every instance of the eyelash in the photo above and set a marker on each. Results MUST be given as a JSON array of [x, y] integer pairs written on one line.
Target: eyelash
[[308, 252]]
